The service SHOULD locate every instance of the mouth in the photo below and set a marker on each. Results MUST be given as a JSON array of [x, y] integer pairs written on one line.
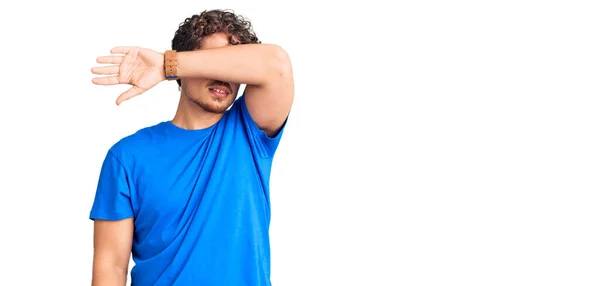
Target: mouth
[[219, 91]]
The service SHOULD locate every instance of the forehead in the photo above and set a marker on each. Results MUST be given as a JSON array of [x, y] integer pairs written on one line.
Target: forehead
[[216, 40]]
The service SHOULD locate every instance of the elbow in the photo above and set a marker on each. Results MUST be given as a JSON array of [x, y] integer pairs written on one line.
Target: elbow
[[281, 64]]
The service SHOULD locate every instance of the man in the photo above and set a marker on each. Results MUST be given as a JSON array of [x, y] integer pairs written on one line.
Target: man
[[189, 197]]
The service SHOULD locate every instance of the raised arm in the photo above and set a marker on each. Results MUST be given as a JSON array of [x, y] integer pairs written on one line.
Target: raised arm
[[112, 251], [265, 69]]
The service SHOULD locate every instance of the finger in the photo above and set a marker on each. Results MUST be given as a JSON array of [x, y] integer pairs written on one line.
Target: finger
[[134, 91], [110, 60], [106, 70], [109, 80], [120, 50]]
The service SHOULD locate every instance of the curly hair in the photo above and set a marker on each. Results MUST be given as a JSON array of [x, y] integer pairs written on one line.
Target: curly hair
[[192, 30]]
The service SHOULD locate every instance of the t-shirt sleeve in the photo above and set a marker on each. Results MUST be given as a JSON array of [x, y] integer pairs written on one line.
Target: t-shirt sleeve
[[265, 145], [113, 196]]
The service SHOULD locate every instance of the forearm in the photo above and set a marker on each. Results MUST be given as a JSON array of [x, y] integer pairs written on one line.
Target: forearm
[[109, 276], [252, 64]]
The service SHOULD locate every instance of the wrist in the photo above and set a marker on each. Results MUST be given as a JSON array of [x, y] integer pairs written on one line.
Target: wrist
[[170, 65]]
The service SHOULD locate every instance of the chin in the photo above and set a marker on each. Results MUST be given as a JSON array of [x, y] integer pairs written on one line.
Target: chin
[[214, 105], [207, 101]]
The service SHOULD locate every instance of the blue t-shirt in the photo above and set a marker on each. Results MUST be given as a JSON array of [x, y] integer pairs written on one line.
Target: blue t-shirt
[[199, 199]]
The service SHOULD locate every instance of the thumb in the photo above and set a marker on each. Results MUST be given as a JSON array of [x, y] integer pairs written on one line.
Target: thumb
[[134, 91]]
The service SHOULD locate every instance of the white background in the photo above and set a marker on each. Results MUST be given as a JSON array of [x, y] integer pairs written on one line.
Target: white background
[[433, 143]]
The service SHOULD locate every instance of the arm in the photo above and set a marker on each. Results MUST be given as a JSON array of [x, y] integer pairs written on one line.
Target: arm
[[112, 250], [265, 69]]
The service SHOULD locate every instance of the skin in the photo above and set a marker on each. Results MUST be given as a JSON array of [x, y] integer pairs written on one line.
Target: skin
[[265, 69]]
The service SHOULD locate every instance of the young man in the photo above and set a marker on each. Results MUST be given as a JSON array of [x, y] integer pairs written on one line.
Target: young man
[[189, 198]]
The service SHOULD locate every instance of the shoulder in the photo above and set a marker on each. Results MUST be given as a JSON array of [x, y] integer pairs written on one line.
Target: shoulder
[[126, 147], [260, 142]]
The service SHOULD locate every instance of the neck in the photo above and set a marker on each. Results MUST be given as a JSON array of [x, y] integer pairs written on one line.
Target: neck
[[192, 117]]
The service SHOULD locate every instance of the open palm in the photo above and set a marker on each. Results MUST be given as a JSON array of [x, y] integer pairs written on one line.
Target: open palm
[[142, 68]]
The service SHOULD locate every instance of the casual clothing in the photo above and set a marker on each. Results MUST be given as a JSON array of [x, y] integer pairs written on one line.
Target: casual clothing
[[199, 199]]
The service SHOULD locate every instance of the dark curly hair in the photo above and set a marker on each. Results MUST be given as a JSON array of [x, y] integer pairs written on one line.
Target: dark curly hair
[[193, 29]]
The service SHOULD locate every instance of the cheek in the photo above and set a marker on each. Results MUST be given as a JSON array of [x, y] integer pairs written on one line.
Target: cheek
[[197, 82], [194, 85]]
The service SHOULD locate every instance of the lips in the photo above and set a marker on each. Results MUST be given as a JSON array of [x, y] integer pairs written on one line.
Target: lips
[[223, 90]]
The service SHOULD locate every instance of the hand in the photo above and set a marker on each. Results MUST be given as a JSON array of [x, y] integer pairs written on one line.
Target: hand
[[142, 68]]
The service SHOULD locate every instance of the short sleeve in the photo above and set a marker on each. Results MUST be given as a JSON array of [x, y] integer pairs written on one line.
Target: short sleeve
[[265, 145], [112, 200]]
